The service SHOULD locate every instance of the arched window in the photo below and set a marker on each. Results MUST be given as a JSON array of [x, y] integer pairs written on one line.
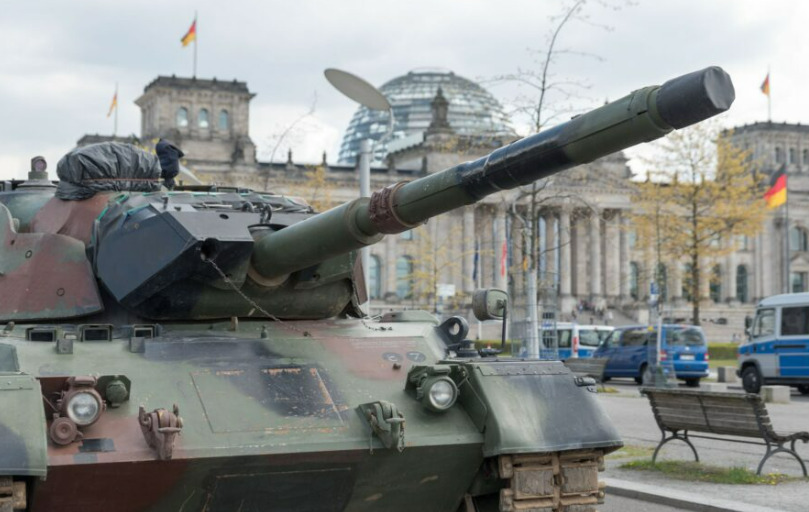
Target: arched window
[[182, 117], [404, 277], [202, 118], [633, 280], [374, 277], [779, 155], [688, 282], [792, 158], [798, 239], [224, 120], [741, 284], [715, 285]]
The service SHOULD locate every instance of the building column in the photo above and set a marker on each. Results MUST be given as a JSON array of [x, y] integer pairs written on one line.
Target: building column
[[596, 285], [624, 259], [565, 282], [612, 250], [730, 279], [551, 277], [768, 272], [500, 264], [389, 270], [675, 270], [469, 246]]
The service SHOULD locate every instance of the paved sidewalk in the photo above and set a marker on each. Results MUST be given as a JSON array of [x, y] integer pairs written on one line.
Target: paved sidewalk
[[632, 415]]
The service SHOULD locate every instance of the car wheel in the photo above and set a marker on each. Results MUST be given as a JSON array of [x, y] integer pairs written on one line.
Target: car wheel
[[643, 377], [692, 383], [804, 389], [751, 379]]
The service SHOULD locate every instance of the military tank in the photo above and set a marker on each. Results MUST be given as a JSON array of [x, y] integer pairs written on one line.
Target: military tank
[[204, 350]]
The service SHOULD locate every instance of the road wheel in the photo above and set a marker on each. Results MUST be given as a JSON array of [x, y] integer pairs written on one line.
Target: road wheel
[[751, 379], [645, 375], [804, 389], [692, 383]]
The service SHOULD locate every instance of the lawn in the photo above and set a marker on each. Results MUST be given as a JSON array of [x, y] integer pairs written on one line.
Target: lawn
[[696, 472]]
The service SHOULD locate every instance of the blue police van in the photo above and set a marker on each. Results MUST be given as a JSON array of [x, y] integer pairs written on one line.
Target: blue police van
[[632, 350], [777, 347]]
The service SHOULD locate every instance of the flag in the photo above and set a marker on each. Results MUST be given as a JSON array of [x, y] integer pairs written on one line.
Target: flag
[[776, 195], [765, 85], [191, 35], [114, 103], [503, 259]]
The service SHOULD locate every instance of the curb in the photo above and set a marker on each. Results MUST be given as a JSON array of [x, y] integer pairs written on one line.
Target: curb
[[678, 499]]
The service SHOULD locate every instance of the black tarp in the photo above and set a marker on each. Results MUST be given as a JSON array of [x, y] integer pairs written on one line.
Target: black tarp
[[106, 166]]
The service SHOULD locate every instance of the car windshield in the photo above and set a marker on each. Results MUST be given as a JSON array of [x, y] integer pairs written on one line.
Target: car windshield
[[589, 338], [682, 336]]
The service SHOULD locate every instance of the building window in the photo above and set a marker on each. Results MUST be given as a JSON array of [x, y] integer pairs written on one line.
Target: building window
[[792, 158], [741, 284], [715, 285], [182, 117], [202, 119], [406, 235], [374, 277], [632, 239], [634, 273], [224, 121], [798, 240], [779, 155], [404, 277], [797, 282], [806, 157]]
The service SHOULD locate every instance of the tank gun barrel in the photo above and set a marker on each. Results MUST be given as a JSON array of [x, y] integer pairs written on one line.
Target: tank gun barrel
[[642, 116]]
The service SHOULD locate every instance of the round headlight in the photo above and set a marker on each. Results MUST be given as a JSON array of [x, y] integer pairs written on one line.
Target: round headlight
[[440, 394], [83, 408]]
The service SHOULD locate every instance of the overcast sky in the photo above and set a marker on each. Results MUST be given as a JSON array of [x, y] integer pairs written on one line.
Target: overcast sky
[[61, 60]]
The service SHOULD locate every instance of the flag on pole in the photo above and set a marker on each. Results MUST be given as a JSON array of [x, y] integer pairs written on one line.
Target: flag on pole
[[776, 195], [191, 35], [765, 85], [503, 259], [114, 103]]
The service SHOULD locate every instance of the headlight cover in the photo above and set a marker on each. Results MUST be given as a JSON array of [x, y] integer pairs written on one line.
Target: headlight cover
[[83, 408], [439, 393]]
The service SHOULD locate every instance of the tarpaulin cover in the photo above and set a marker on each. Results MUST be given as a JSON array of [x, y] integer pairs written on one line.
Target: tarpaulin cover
[[106, 166]]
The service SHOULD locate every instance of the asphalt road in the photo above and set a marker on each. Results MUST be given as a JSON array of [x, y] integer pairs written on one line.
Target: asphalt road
[[621, 504]]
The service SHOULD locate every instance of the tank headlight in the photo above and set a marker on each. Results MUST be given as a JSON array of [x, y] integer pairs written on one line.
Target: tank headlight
[[83, 408], [439, 393]]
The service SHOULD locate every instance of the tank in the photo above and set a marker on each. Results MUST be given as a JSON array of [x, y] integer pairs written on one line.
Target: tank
[[204, 350]]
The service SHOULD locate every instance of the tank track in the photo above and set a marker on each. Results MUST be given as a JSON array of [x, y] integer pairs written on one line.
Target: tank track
[[553, 482], [12, 494]]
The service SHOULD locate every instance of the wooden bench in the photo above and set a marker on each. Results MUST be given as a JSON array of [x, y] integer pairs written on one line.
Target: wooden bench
[[680, 411], [588, 367]]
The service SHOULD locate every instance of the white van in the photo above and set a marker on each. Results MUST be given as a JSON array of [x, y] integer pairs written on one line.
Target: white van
[[575, 340], [777, 347]]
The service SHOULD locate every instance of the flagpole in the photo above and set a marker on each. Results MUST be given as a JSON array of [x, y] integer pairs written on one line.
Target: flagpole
[[195, 44], [786, 232], [115, 124], [769, 97]]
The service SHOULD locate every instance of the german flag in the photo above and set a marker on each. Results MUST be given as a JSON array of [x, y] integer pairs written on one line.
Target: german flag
[[765, 85], [776, 195], [191, 35], [114, 103]]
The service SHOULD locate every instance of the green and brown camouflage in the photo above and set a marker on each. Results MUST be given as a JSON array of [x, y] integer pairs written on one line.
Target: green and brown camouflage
[[198, 349]]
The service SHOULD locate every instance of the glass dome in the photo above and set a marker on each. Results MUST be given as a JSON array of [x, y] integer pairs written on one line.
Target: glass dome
[[472, 111]]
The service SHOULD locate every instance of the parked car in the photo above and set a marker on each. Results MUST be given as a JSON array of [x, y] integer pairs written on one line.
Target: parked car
[[777, 348], [574, 340], [631, 351]]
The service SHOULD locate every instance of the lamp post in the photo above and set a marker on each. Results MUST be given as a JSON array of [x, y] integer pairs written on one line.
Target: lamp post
[[357, 89]]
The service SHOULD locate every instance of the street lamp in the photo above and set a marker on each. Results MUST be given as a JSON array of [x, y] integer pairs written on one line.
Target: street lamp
[[357, 89]]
